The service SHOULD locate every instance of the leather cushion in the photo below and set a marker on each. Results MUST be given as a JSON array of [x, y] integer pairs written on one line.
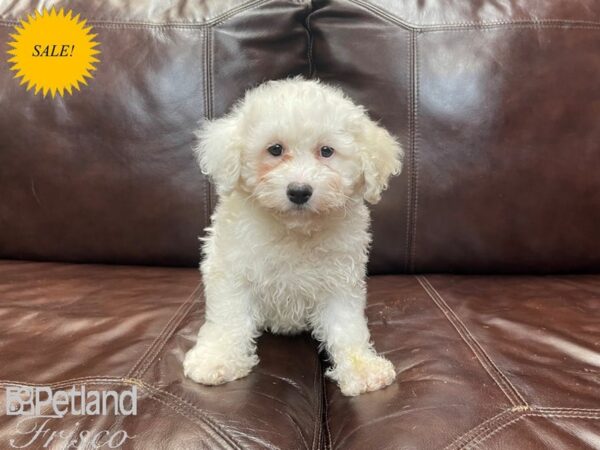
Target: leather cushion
[[483, 362], [110, 327]]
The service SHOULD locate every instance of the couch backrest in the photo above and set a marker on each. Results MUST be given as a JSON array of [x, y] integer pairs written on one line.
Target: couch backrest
[[108, 174], [497, 105]]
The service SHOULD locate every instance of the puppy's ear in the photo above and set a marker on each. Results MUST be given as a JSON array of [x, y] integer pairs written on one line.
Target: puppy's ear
[[381, 157], [219, 152]]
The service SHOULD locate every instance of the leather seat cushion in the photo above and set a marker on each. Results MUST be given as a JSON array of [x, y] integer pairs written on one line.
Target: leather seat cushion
[[112, 327], [484, 362], [491, 362]]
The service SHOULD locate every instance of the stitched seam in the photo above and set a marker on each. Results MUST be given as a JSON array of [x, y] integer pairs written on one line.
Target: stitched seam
[[415, 162], [160, 344], [206, 116], [62, 383], [315, 421], [489, 425], [211, 92], [520, 398], [110, 381], [309, 52], [317, 412], [100, 381], [567, 415], [209, 72], [179, 403], [476, 442], [483, 27], [384, 15], [208, 110], [390, 17], [192, 419], [411, 71], [144, 361], [485, 430], [217, 20], [515, 391], [517, 26], [328, 442], [378, 11], [560, 410], [202, 415], [501, 381], [139, 363], [479, 429], [235, 11], [116, 381]]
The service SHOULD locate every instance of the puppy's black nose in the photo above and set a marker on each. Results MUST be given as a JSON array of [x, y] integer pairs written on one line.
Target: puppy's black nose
[[299, 193]]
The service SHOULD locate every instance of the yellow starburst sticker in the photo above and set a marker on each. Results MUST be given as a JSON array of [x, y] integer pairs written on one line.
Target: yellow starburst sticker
[[53, 52]]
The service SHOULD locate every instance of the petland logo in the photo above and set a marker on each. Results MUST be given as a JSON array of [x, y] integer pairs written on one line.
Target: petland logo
[[41, 402]]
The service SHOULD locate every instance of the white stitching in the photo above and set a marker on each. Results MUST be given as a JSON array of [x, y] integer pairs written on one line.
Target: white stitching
[[316, 441], [411, 70], [397, 20], [61, 383], [177, 403], [476, 442], [516, 26], [559, 409], [491, 361], [506, 387], [415, 173], [478, 429], [141, 366], [184, 404], [208, 107], [329, 442], [217, 20]]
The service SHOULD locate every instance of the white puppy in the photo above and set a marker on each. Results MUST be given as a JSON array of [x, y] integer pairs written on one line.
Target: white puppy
[[293, 163]]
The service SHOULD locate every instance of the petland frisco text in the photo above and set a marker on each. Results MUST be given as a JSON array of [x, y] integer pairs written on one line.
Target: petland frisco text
[[42, 409]]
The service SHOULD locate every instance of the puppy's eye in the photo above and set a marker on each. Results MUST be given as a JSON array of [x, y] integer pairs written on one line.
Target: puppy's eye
[[275, 149], [326, 151]]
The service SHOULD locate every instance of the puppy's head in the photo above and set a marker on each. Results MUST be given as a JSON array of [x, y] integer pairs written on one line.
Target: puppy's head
[[298, 148]]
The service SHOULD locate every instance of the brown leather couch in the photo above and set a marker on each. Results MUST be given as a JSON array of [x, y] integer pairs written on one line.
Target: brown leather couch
[[482, 288]]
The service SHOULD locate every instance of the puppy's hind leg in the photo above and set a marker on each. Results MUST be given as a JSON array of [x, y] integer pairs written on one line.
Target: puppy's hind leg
[[340, 324], [225, 349]]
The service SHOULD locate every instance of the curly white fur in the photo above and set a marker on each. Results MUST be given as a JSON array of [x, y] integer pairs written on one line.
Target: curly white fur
[[274, 265]]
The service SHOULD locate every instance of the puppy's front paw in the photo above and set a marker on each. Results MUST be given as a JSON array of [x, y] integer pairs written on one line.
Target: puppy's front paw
[[213, 369], [359, 373]]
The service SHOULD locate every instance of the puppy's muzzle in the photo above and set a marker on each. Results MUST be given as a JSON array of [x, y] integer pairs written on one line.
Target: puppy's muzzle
[[299, 193]]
